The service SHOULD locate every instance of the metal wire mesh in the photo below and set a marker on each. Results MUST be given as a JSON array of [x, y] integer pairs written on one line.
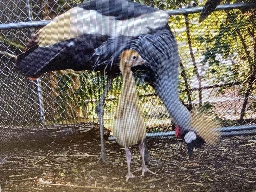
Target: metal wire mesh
[[70, 97]]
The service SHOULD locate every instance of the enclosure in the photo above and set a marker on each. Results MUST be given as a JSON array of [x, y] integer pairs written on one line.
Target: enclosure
[[49, 127]]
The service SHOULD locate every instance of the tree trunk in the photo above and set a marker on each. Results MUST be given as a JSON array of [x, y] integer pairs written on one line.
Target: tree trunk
[[193, 60], [251, 61], [188, 90]]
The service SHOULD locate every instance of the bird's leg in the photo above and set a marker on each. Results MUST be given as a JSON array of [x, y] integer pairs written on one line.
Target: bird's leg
[[128, 160], [142, 153], [146, 154], [100, 113]]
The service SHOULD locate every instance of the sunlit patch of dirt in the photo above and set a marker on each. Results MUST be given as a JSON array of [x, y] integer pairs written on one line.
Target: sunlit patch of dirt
[[74, 166]]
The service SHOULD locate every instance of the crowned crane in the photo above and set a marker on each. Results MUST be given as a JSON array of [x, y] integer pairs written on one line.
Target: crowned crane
[[129, 127], [92, 36]]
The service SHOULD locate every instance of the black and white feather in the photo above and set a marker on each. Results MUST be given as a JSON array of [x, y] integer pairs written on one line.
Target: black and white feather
[[91, 34]]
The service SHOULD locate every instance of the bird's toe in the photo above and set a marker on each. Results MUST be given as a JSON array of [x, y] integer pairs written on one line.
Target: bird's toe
[[129, 175], [144, 170]]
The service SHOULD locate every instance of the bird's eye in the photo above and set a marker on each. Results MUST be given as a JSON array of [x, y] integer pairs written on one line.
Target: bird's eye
[[134, 57]]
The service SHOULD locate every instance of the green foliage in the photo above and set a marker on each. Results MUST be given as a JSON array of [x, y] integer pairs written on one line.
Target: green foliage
[[77, 91], [166, 4], [223, 48]]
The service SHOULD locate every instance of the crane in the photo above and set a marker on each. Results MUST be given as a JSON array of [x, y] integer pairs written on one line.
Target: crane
[[129, 126], [92, 35]]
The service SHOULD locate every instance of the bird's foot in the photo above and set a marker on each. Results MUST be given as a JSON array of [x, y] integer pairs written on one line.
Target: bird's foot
[[144, 169], [129, 175]]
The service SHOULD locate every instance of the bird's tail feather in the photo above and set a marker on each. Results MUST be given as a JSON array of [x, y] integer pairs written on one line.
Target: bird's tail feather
[[32, 62]]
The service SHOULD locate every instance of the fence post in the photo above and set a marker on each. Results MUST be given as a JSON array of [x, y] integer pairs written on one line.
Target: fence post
[[40, 100], [38, 81]]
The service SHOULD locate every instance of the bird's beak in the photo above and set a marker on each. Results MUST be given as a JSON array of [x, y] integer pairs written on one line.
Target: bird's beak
[[140, 61]]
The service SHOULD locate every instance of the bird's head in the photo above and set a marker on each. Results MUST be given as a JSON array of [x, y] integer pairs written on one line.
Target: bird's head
[[130, 58]]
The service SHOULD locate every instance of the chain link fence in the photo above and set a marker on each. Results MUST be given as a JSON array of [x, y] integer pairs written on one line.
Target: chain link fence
[[217, 71]]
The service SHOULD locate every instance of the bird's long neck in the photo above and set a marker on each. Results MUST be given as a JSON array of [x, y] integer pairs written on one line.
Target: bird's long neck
[[166, 88], [128, 92]]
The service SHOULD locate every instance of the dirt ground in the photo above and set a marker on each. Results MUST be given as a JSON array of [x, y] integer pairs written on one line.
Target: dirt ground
[[74, 166]]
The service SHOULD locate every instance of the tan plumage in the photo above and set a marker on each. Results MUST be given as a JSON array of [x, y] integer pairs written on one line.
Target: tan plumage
[[129, 126]]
